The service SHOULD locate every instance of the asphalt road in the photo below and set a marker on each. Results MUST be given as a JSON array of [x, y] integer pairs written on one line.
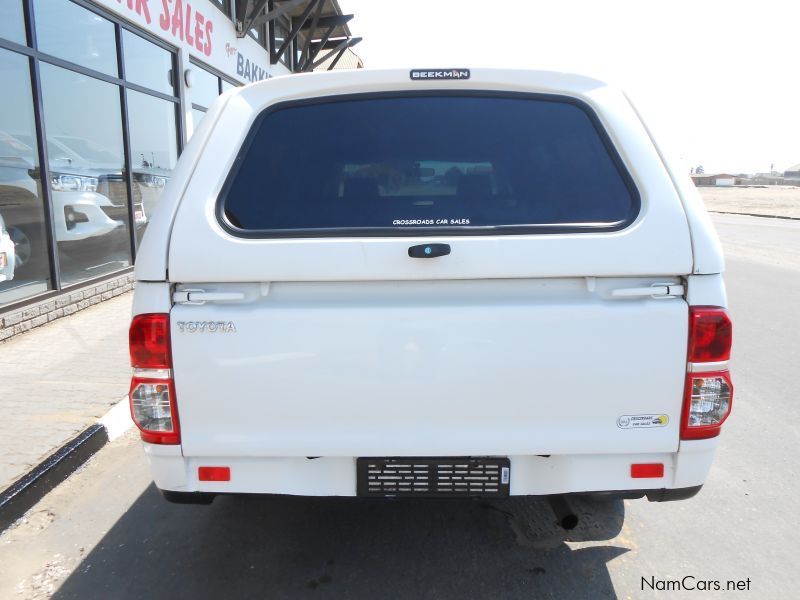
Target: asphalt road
[[105, 533]]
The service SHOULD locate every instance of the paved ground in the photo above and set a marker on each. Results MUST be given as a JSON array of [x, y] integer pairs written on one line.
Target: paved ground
[[105, 533], [57, 379], [783, 201]]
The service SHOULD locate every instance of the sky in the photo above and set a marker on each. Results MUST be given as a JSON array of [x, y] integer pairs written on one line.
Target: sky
[[717, 82]]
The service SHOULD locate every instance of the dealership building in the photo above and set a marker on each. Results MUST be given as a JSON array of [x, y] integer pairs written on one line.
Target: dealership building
[[99, 97]]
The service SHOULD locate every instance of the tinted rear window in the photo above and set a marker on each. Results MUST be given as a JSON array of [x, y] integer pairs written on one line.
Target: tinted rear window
[[437, 164]]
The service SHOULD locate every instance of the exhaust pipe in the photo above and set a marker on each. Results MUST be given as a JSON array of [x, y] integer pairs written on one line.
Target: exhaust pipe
[[566, 517]]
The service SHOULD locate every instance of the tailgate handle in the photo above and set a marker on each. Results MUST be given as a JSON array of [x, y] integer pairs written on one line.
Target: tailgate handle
[[429, 250], [657, 290], [201, 296]]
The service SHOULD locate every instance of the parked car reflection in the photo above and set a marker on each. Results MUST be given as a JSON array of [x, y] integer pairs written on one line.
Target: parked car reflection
[[7, 254], [90, 203], [77, 164], [22, 209], [89, 157], [72, 191]]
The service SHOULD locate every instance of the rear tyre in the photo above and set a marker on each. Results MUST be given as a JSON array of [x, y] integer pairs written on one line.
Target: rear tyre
[[31, 253]]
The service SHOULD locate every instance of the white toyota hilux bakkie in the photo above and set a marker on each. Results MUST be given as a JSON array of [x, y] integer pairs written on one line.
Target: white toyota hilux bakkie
[[444, 283]]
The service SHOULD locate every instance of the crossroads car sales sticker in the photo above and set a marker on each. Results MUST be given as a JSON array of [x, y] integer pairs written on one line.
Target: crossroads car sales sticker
[[642, 421]]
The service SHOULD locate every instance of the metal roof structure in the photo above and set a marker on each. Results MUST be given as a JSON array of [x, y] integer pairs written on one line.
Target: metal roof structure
[[319, 27]]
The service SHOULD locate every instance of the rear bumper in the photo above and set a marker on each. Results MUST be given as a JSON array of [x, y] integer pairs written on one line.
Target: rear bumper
[[530, 475]]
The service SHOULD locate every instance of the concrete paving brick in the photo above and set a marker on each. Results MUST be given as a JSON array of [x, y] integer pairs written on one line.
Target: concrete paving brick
[[58, 379]]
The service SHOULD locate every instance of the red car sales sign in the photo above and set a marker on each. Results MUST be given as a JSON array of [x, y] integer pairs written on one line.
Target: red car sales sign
[[199, 27]]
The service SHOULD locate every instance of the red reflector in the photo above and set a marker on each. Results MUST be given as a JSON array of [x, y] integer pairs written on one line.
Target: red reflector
[[647, 470], [149, 341], [214, 473], [710, 334]]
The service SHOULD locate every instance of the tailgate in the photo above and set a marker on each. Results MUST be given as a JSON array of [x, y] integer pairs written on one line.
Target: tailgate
[[329, 336], [453, 368]]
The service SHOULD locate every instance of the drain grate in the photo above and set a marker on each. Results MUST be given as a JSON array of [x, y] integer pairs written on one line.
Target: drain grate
[[433, 477]]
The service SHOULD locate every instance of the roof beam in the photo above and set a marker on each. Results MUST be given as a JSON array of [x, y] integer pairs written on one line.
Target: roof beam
[[314, 22], [331, 20], [253, 19], [343, 45], [336, 60], [275, 56], [331, 43], [249, 9], [315, 49]]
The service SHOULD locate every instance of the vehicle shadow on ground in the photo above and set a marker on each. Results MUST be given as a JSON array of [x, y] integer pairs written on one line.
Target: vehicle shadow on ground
[[284, 547]]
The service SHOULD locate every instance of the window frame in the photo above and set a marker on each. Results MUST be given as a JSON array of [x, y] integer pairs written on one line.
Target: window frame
[[220, 78], [225, 6], [36, 58], [400, 231], [286, 59]]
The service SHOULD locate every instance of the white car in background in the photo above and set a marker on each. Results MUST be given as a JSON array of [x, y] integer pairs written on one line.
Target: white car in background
[[79, 211], [79, 155], [7, 255]]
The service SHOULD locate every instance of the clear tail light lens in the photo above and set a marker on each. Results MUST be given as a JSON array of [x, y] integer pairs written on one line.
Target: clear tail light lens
[[153, 410], [707, 404], [152, 392]]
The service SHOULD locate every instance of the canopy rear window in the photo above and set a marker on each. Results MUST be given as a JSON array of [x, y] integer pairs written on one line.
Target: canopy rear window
[[389, 165]]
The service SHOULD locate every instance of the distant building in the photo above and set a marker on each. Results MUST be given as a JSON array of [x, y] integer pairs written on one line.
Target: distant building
[[346, 59], [718, 179], [767, 179], [792, 174]]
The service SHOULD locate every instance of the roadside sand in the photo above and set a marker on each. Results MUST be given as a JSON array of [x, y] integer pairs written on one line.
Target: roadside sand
[[781, 201]]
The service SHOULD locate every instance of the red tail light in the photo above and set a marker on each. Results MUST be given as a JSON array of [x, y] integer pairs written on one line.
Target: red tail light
[[710, 332], [152, 392], [149, 342], [709, 394]]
